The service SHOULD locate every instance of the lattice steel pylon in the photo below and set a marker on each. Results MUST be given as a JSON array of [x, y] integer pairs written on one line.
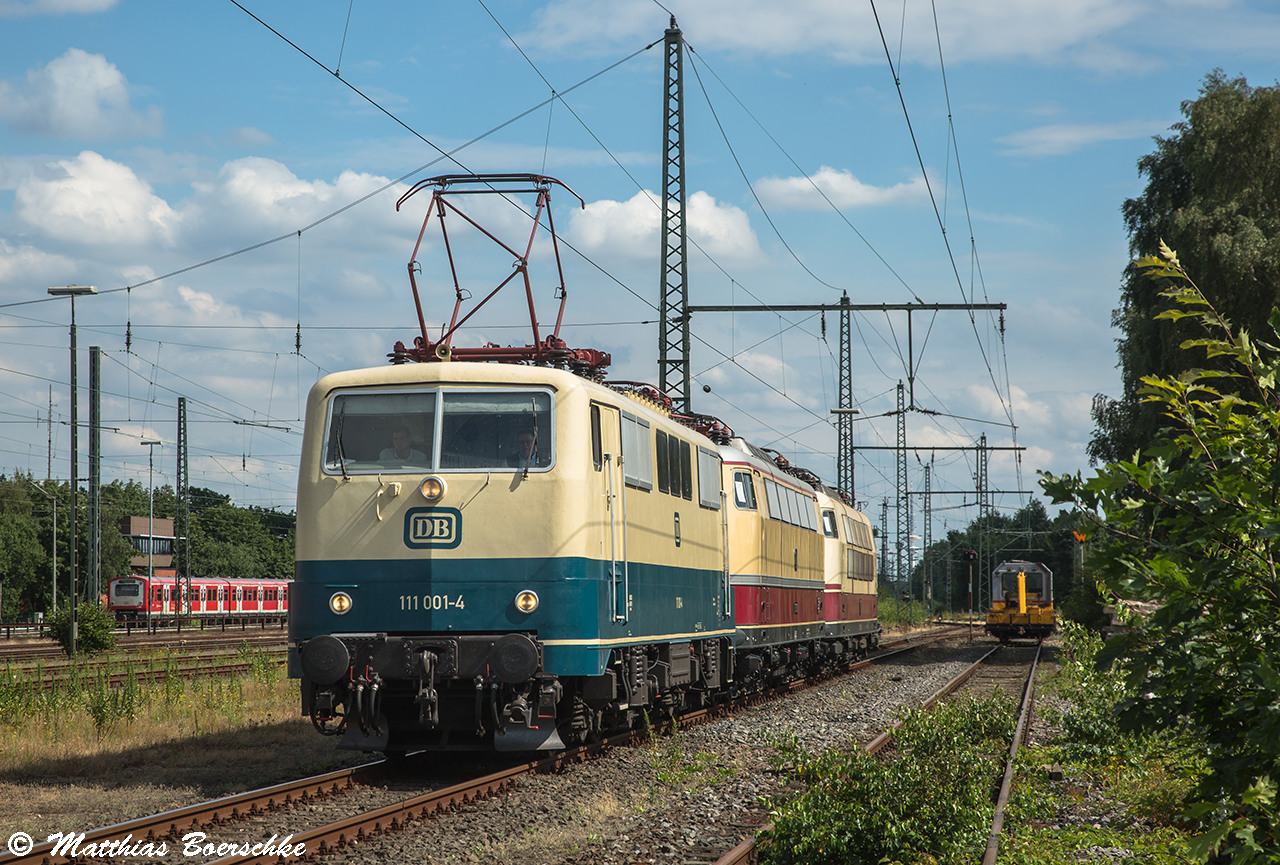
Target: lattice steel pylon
[[884, 541], [904, 497], [673, 335], [984, 509], [926, 541], [844, 419], [182, 551]]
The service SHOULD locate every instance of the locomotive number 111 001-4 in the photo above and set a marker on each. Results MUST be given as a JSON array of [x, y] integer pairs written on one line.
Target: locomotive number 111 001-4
[[411, 603]]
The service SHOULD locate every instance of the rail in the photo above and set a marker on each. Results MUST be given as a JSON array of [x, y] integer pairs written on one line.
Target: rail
[[179, 820], [324, 839], [1024, 718], [748, 852]]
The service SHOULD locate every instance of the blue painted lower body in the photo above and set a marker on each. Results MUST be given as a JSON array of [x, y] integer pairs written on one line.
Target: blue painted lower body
[[574, 621]]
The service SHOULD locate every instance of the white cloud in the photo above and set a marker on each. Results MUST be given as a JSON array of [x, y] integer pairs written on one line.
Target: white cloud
[[95, 201], [630, 228], [26, 263], [248, 136], [1060, 139], [78, 95], [1086, 33], [1045, 415], [840, 188], [32, 8], [256, 195]]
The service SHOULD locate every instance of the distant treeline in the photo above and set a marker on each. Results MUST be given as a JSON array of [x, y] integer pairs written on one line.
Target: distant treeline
[[226, 540]]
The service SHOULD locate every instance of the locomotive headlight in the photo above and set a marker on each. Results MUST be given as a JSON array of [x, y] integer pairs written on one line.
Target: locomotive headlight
[[527, 601], [340, 603], [432, 488]]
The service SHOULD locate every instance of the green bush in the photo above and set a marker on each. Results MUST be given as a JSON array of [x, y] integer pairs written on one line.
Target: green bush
[[1190, 525], [94, 628], [930, 802]]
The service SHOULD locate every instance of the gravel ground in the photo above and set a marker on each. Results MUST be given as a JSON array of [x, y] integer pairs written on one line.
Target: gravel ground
[[682, 799], [668, 801]]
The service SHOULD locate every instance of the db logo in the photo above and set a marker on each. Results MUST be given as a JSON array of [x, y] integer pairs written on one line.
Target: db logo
[[436, 528]]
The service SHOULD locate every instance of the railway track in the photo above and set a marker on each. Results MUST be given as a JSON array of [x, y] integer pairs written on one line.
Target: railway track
[[186, 667], [1011, 670], [126, 645], [327, 838]]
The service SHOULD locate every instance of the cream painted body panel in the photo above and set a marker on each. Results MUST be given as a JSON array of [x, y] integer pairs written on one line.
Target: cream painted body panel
[[561, 512], [766, 549]]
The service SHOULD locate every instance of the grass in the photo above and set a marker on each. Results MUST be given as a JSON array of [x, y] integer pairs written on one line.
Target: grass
[[674, 767], [928, 802], [70, 750], [1093, 793], [1116, 791]]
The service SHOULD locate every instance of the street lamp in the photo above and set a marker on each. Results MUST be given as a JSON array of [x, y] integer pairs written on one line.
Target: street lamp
[[73, 291], [150, 445]]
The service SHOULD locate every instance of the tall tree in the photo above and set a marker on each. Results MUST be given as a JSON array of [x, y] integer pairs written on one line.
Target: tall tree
[[227, 541], [1190, 525], [1212, 193], [23, 565]]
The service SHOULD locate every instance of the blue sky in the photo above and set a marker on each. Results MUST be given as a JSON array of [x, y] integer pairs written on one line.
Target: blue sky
[[139, 139]]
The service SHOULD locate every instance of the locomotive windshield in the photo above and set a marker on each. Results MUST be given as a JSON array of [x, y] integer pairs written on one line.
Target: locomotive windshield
[[439, 430], [1006, 583]]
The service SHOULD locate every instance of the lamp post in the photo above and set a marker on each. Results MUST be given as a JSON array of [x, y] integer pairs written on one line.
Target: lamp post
[[150, 445], [73, 291]]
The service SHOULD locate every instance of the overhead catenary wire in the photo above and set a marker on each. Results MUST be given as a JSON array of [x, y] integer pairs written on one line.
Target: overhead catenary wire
[[897, 81], [550, 103]]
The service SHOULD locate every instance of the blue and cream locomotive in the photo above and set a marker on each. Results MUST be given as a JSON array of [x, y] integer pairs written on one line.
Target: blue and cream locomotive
[[515, 556], [472, 595]]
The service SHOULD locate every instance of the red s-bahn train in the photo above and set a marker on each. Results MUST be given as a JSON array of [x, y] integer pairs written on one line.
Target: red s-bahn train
[[133, 597]]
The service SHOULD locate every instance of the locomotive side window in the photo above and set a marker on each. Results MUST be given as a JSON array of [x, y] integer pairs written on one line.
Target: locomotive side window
[[744, 491], [664, 464], [709, 478], [673, 460], [810, 512], [789, 506], [686, 471], [829, 523], [774, 500], [637, 452], [597, 440]]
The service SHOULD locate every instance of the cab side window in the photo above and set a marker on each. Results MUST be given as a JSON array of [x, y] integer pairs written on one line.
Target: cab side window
[[829, 523]]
